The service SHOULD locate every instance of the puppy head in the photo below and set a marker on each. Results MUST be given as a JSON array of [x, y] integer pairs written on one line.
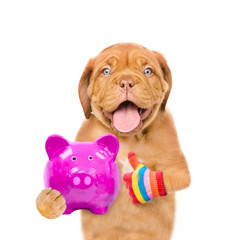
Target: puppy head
[[125, 87]]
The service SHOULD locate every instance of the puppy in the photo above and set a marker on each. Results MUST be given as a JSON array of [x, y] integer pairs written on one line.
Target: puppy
[[124, 91]]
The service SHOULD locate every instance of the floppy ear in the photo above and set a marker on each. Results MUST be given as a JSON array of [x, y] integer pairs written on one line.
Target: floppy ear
[[167, 77], [83, 86]]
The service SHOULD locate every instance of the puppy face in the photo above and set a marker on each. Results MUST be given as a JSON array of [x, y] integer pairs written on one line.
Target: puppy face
[[125, 87]]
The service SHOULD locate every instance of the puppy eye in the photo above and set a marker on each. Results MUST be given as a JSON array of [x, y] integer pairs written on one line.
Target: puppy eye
[[74, 158], [106, 71], [148, 71]]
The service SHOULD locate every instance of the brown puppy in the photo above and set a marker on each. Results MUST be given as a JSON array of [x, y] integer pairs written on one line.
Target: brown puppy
[[124, 91]]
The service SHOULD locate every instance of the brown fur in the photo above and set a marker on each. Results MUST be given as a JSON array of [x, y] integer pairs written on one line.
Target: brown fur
[[155, 143]]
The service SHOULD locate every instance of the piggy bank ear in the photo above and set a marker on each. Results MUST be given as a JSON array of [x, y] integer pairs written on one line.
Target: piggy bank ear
[[109, 141], [55, 144]]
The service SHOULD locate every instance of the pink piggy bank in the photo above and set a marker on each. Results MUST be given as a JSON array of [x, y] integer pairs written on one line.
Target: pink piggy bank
[[85, 173]]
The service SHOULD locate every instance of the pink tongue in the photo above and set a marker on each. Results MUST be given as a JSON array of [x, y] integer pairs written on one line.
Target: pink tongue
[[126, 118]]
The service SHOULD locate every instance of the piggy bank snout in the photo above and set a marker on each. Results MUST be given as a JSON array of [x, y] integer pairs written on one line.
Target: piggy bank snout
[[82, 180]]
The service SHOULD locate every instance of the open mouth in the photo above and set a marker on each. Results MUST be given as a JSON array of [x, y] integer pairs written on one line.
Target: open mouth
[[128, 116]]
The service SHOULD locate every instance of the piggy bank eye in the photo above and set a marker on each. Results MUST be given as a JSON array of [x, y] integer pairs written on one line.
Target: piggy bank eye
[[90, 158], [74, 158]]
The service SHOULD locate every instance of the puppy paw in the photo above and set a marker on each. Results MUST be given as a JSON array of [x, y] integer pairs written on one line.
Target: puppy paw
[[50, 203]]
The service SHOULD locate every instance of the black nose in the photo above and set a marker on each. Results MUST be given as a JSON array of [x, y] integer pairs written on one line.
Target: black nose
[[126, 84]]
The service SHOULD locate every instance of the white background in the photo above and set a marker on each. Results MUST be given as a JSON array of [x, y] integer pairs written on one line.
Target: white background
[[44, 48]]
